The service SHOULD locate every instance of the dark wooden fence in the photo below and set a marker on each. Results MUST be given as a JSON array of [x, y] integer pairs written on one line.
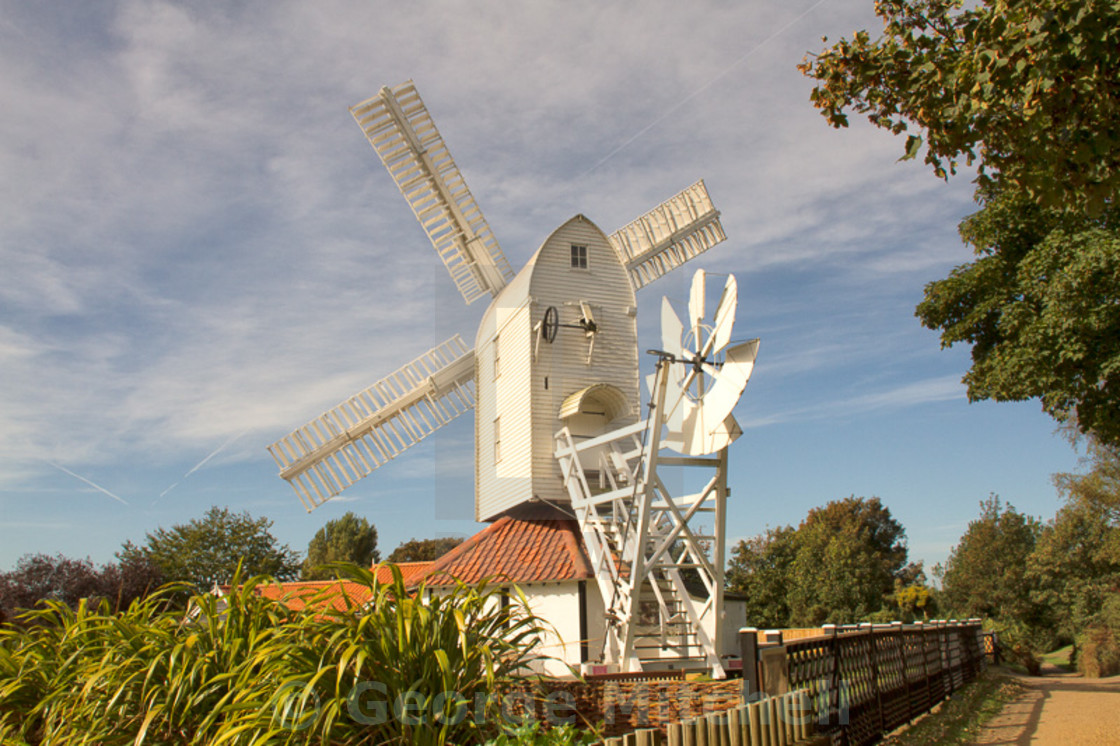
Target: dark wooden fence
[[847, 686], [866, 680]]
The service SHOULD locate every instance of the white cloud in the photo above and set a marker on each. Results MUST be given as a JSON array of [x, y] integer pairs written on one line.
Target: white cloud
[[942, 388], [899, 396]]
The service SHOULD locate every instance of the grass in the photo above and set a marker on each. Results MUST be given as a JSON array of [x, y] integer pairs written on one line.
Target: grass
[[1059, 658], [958, 720]]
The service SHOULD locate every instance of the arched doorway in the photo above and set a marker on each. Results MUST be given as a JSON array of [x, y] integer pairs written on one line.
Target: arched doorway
[[592, 410]]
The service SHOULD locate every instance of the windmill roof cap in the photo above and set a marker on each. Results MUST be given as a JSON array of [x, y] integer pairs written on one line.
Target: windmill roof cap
[[515, 293]]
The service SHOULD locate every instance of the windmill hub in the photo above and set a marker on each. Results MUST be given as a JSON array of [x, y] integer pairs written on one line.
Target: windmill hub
[[551, 324]]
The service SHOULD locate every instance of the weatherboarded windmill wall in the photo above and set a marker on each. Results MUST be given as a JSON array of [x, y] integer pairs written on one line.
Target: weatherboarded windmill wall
[[529, 387]]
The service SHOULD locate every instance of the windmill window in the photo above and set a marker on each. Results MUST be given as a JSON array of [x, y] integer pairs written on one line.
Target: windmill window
[[497, 439], [497, 357], [579, 257]]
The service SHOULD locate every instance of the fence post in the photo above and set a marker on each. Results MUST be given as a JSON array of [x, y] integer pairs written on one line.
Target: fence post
[[718, 726], [832, 700], [922, 632], [644, 737], [976, 638], [958, 658], [899, 631], [822, 700], [947, 655], [873, 654], [773, 666], [774, 722], [733, 727], [748, 652], [756, 725]]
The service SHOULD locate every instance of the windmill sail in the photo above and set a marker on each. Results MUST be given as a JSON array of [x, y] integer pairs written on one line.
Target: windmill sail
[[400, 129], [341, 446], [670, 234]]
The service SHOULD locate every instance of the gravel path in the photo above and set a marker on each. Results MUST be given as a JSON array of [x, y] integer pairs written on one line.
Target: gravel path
[[1058, 708]]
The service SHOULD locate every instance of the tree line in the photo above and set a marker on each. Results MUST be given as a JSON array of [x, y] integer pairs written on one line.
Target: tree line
[[1047, 584], [201, 553], [1040, 584], [846, 562]]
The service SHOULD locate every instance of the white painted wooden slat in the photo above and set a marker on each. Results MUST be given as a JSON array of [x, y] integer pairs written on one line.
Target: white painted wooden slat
[[679, 229], [411, 427], [401, 131], [375, 442], [359, 464], [347, 443], [389, 434], [421, 414]]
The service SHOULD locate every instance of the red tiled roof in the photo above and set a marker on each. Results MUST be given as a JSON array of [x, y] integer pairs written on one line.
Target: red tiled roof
[[296, 595], [518, 551], [409, 571]]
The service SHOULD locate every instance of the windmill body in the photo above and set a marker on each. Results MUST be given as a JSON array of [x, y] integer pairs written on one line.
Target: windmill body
[[553, 378], [528, 388]]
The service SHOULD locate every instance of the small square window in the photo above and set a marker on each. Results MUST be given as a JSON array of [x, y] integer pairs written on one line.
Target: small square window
[[579, 257]]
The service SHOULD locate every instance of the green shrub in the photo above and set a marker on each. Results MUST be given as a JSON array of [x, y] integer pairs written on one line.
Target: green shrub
[[533, 734], [405, 670], [1022, 644], [1099, 645], [145, 675], [245, 669]]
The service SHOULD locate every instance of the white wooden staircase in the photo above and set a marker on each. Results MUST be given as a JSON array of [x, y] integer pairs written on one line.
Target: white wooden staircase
[[660, 575]]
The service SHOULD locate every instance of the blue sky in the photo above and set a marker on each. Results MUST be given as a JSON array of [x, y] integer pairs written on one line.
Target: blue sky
[[201, 252]]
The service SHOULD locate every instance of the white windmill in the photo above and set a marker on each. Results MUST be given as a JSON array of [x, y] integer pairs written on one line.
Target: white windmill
[[556, 351]]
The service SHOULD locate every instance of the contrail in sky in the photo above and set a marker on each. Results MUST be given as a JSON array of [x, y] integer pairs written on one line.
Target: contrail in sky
[[96, 486], [202, 463], [672, 109]]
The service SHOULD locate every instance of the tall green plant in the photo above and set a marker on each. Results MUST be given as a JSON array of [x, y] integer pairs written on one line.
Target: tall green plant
[[417, 666], [407, 666], [148, 674]]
